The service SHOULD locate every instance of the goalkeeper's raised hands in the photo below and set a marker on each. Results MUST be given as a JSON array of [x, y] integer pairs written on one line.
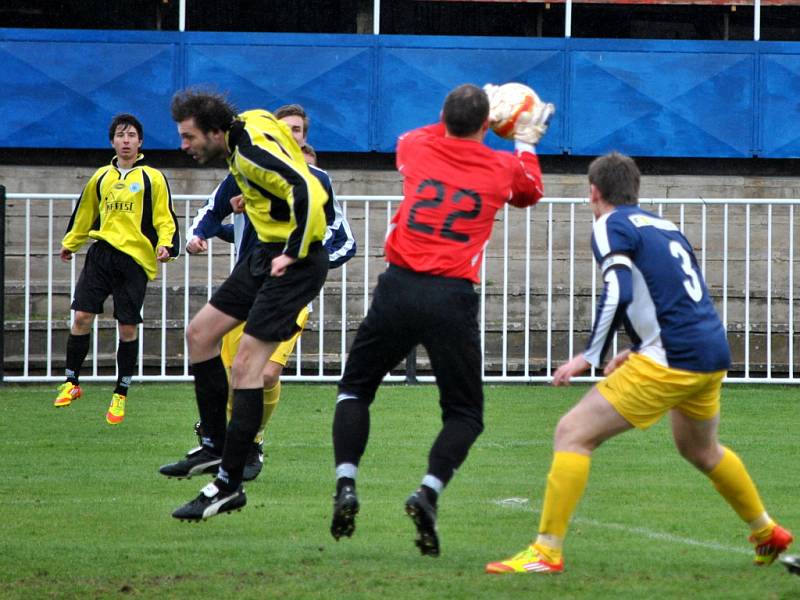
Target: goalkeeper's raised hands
[[531, 126], [517, 113]]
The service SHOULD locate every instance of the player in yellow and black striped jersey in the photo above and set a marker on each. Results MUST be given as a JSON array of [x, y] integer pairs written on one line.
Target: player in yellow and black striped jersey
[[285, 202], [286, 206], [127, 208]]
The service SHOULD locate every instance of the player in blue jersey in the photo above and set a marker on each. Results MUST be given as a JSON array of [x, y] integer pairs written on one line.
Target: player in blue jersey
[[652, 284], [207, 224]]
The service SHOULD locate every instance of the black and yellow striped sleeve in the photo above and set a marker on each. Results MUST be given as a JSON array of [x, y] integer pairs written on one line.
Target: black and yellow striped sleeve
[[295, 201], [284, 201], [164, 221], [86, 215]]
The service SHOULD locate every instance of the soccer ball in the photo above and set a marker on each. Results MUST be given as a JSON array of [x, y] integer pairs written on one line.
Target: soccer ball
[[507, 103], [792, 564]]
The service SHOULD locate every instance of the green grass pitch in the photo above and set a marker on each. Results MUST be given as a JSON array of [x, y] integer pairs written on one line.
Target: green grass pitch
[[85, 513]]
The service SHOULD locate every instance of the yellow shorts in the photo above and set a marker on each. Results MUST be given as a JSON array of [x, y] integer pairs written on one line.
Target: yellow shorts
[[230, 343], [641, 390]]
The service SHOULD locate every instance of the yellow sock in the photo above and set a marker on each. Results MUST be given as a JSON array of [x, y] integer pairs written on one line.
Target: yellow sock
[[566, 481], [549, 553], [762, 533], [732, 481], [271, 398], [229, 407]]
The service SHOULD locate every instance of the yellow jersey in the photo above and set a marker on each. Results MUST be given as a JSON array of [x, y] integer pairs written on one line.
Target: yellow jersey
[[284, 201], [132, 212]]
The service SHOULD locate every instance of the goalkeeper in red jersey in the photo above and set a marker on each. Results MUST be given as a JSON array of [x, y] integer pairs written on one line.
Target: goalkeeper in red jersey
[[453, 187]]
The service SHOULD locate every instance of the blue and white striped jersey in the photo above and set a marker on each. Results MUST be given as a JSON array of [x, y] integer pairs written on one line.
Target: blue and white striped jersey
[[653, 286], [339, 240]]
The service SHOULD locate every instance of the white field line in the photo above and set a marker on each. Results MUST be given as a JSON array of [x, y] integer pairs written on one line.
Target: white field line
[[524, 504]]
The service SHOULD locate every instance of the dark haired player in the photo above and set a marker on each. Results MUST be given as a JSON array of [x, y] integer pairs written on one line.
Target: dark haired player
[[126, 206], [267, 288], [453, 187]]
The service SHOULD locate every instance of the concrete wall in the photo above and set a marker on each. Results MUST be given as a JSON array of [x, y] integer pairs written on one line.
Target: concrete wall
[[58, 179]]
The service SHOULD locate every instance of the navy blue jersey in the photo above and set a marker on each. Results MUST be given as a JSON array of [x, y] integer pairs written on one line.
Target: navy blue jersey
[[339, 240], [208, 223], [654, 287]]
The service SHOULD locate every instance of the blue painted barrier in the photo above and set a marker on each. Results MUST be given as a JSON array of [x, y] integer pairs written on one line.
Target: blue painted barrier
[[642, 97]]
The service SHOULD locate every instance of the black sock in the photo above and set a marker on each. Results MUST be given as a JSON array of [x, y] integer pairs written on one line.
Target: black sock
[[344, 481], [211, 391], [127, 353], [248, 408], [77, 349], [350, 430], [452, 446], [430, 494]]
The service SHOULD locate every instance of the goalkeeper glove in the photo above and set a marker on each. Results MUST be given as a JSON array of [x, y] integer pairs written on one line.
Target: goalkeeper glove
[[498, 111], [531, 126]]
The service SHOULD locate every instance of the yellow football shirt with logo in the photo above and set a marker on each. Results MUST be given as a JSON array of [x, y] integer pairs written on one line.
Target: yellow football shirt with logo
[[284, 201], [132, 212]]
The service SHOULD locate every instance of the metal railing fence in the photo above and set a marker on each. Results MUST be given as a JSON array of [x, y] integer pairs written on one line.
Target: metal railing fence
[[538, 292]]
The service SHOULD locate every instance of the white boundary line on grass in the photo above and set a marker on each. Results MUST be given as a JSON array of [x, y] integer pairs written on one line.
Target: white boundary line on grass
[[524, 504]]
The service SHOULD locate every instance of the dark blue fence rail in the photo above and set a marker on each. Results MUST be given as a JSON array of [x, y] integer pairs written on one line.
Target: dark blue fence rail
[[643, 97]]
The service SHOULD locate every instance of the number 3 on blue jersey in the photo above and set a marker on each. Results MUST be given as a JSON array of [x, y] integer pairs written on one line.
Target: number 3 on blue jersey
[[692, 284]]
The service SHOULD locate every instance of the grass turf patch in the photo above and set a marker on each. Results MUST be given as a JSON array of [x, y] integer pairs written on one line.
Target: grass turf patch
[[86, 514]]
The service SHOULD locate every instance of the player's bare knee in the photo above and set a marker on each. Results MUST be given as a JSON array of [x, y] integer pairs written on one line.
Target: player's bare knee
[[270, 381], [702, 457], [565, 431], [196, 337], [571, 436], [238, 371], [191, 334], [82, 324], [272, 374], [245, 371], [128, 333]]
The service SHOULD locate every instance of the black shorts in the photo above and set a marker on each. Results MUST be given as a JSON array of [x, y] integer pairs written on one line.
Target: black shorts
[[110, 272], [410, 308], [270, 304]]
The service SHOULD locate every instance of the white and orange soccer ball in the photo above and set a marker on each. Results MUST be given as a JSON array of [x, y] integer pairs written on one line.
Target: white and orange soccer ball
[[508, 102], [515, 108]]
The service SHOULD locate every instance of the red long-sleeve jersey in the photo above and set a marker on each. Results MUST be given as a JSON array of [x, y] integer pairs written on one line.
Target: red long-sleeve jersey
[[452, 189]]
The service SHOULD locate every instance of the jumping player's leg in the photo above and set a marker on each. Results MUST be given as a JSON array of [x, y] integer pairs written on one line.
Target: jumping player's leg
[[127, 351], [229, 306], [383, 339], [374, 353], [371, 356], [458, 377], [203, 335], [272, 370], [78, 344], [271, 318], [272, 387], [247, 381]]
